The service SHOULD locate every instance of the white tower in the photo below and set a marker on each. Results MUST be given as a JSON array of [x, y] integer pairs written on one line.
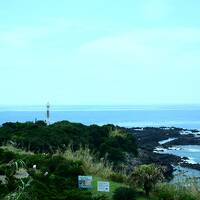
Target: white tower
[[48, 114]]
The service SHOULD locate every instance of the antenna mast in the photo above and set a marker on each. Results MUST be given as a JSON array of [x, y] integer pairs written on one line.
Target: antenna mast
[[48, 114]]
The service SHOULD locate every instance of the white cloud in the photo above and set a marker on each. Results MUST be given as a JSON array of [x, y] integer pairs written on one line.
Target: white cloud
[[146, 48], [143, 65], [158, 65], [25, 36]]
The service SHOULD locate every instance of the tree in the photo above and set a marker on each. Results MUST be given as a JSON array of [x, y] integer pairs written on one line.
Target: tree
[[147, 176]]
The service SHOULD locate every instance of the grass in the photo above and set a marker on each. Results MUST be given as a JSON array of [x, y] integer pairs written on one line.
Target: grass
[[113, 186], [91, 165], [101, 170], [117, 132], [13, 149]]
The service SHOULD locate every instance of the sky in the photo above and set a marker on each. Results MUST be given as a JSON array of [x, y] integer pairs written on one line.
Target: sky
[[102, 52]]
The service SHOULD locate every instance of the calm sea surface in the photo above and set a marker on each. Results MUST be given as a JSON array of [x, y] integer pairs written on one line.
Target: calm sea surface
[[128, 116]]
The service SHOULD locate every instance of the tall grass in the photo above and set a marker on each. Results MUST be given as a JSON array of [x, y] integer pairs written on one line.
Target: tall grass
[[184, 190], [117, 132], [91, 165], [13, 149]]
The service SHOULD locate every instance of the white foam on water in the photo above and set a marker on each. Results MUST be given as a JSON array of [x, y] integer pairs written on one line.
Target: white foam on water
[[160, 150], [190, 160], [193, 150], [175, 148], [167, 140], [187, 132]]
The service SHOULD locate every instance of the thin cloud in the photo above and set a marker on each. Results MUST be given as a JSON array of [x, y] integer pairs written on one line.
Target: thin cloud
[[146, 47]]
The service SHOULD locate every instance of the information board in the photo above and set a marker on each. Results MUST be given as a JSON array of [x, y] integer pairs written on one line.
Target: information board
[[103, 186], [85, 182]]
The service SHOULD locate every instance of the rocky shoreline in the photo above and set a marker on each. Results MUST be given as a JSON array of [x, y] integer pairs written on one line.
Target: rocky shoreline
[[150, 146]]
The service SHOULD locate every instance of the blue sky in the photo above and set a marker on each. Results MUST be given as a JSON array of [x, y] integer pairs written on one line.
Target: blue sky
[[99, 52]]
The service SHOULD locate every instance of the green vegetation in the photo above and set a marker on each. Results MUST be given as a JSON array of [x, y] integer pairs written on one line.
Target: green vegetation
[[91, 164], [40, 138], [124, 193], [40, 162], [188, 190], [113, 186], [147, 176]]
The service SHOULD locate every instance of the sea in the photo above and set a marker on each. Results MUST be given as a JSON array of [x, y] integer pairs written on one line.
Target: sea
[[181, 116]]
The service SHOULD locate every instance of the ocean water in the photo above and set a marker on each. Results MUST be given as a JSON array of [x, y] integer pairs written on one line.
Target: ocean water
[[182, 173], [192, 152], [184, 116]]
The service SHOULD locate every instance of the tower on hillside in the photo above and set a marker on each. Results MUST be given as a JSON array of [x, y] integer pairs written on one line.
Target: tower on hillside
[[48, 114]]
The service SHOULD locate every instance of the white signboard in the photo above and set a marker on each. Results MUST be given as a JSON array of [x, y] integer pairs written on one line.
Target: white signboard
[[85, 182], [103, 186]]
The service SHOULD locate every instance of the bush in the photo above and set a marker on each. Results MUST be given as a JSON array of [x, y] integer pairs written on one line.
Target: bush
[[124, 193], [39, 138], [147, 176], [174, 192], [165, 192], [100, 197], [2, 170], [78, 195], [3, 190], [117, 177], [186, 196], [91, 165], [6, 156], [69, 169], [37, 159]]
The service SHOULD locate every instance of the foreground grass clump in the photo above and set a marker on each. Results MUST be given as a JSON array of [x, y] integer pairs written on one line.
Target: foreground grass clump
[[53, 166], [124, 193], [189, 190], [55, 177], [91, 165], [11, 148]]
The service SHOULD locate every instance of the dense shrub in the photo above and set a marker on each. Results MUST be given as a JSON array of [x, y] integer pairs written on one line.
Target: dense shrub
[[166, 192], [124, 193], [6, 156], [175, 192], [3, 190], [37, 137], [78, 195], [57, 167], [146, 177], [2, 170], [117, 177], [100, 197]]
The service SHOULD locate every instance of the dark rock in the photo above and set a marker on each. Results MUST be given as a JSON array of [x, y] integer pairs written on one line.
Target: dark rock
[[148, 139]]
